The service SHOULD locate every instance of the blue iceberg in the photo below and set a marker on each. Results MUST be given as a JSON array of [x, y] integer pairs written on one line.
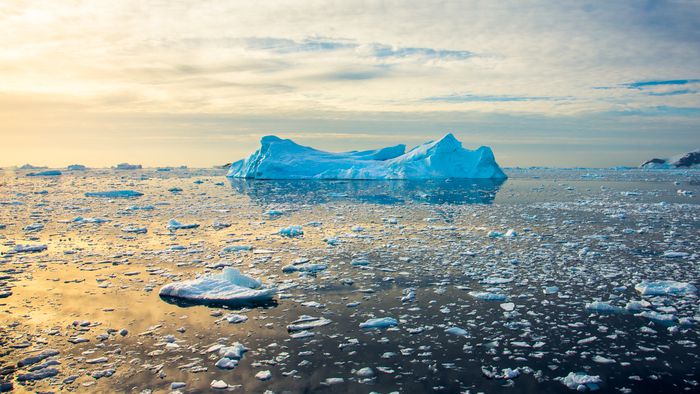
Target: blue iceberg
[[446, 158]]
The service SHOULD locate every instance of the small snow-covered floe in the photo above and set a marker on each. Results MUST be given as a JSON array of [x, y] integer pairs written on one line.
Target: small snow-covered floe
[[446, 158], [228, 288], [46, 173], [305, 323], [604, 307], [135, 230], [175, 225], [550, 290], [291, 231], [486, 296], [29, 248], [580, 381], [115, 194], [382, 322], [664, 287], [127, 166]]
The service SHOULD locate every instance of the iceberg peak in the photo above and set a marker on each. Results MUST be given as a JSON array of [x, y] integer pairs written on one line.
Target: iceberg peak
[[280, 158]]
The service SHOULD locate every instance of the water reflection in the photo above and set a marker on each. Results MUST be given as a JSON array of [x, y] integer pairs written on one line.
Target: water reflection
[[434, 191]]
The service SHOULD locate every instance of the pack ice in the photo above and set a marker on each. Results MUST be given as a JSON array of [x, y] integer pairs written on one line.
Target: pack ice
[[446, 158], [230, 287]]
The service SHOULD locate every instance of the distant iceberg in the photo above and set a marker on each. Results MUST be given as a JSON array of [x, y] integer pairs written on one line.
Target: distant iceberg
[[127, 166], [686, 160], [446, 158]]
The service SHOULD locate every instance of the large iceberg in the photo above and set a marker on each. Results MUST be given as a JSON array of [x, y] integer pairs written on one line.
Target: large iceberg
[[446, 158], [229, 288], [685, 160]]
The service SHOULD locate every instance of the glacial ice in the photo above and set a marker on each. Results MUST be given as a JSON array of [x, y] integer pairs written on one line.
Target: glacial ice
[[230, 287], [45, 173], [446, 158]]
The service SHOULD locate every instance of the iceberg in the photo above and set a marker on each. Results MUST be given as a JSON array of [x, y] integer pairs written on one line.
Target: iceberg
[[76, 167], [127, 166], [382, 322], [229, 288], [446, 158], [685, 160]]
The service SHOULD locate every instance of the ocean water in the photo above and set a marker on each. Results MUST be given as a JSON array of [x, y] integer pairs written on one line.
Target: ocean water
[[578, 236]]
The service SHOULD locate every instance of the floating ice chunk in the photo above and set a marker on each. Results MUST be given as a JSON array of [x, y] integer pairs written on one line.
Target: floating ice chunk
[[382, 322], [550, 290], [234, 352], [76, 167], [32, 228], [309, 268], [218, 385], [508, 306], [175, 225], [115, 194], [230, 287], [496, 280], [45, 173], [510, 233], [667, 318], [669, 254], [236, 248], [665, 287], [365, 372], [29, 248], [235, 318], [495, 234], [135, 229], [603, 360], [580, 381], [291, 231], [273, 212], [445, 158], [604, 307], [263, 375], [457, 331], [486, 296], [305, 323]]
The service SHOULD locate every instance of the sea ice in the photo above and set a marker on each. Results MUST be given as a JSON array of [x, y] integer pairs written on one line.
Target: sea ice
[[230, 287], [580, 381], [446, 158], [175, 225]]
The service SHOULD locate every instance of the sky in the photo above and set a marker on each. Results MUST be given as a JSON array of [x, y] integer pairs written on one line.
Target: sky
[[171, 82]]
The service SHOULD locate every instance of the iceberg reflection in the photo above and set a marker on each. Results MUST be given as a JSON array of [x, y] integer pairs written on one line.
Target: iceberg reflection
[[433, 191]]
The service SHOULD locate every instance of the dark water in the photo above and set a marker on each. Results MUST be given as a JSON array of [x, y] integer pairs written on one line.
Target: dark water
[[594, 234]]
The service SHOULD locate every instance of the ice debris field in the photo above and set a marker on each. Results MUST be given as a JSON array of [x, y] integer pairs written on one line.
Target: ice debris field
[[146, 280]]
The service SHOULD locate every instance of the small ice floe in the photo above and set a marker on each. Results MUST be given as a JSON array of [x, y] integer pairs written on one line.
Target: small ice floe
[[217, 225], [291, 231], [135, 229], [496, 280], [230, 355], [273, 213], [45, 173], [229, 287], [115, 194], [382, 322], [604, 307], [235, 318], [29, 248], [175, 225], [669, 254], [507, 306], [486, 296], [33, 228], [305, 323], [236, 248], [408, 295], [263, 375], [218, 385], [664, 287], [308, 268], [550, 290], [580, 381], [457, 331], [175, 190]]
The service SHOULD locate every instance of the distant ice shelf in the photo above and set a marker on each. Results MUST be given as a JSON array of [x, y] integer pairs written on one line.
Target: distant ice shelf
[[445, 158]]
